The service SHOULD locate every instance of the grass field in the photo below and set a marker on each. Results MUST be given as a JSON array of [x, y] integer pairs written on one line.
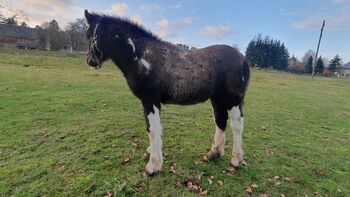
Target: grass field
[[65, 130]]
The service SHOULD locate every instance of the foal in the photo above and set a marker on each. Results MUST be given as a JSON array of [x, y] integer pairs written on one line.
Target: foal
[[160, 72]]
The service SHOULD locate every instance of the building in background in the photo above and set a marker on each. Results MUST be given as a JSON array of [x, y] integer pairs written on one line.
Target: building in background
[[345, 71], [18, 36]]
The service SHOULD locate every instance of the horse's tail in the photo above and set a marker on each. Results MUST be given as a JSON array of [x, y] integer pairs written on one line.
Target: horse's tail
[[245, 73]]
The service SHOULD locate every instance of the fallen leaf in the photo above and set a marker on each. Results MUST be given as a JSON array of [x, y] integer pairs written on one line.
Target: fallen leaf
[[244, 162], [172, 169], [230, 170], [276, 177], [204, 192], [108, 194], [189, 185], [269, 151], [287, 179], [198, 177], [221, 183], [338, 190], [277, 183], [126, 160], [114, 145], [210, 181], [211, 177], [263, 128], [316, 194], [197, 162], [205, 158], [254, 185], [249, 190], [264, 195], [282, 195]]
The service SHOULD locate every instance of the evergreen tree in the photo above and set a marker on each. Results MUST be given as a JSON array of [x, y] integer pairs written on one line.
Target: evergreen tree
[[308, 66], [335, 63], [267, 53], [319, 65]]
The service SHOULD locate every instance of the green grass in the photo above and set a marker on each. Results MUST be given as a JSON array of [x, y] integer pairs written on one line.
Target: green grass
[[65, 130]]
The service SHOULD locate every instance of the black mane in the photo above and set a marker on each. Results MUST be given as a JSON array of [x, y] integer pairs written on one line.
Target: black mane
[[124, 23]]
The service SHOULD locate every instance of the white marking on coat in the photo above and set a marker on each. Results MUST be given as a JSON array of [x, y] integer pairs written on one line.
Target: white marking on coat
[[243, 78], [219, 141], [237, 123], [155, 135], [145, 64], [116, 36], [132, 44]]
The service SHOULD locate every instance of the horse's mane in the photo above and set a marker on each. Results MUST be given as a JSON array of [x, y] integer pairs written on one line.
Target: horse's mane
[[126, 24]]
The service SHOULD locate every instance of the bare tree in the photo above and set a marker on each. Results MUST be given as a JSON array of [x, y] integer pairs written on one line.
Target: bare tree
[[76, 31]]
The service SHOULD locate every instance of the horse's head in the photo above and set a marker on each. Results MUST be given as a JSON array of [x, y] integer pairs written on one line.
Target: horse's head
[[95, 34], [108, 38]]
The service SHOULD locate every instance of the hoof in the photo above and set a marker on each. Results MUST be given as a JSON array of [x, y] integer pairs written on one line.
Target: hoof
[[236, 161], [214, 154], [148, 174]]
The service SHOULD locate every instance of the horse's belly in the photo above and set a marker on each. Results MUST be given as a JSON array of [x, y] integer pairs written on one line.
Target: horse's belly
[[189, 92]]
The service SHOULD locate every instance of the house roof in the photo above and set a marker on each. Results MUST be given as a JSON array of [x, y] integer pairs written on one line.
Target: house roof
[[18, 31], [347, 65]]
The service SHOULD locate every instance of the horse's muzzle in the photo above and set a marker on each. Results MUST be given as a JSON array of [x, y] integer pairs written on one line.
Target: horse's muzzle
[[92, 62]]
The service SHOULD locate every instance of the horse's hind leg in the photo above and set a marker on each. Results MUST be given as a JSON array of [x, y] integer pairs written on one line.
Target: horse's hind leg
[[237, 122], [220, 118]]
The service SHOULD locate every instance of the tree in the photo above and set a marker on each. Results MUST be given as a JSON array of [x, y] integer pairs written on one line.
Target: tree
[[319, 65], [10, 21], [76, 31], [53, 33], [335, 63], [267, 53], [308, 65], [24, 24], [307, 55]]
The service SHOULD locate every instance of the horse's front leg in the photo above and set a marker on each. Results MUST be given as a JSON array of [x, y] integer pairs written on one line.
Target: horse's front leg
[[154, 128]]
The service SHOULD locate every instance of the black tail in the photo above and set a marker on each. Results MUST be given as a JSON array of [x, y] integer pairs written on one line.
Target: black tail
[[245, 74]]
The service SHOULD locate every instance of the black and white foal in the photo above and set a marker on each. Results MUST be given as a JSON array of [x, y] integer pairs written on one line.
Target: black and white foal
[[159, 72]]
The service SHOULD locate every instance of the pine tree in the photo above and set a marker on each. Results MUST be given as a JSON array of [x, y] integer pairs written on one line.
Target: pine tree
[[335, 63], [267, 52], [308, 66], [319, 65]]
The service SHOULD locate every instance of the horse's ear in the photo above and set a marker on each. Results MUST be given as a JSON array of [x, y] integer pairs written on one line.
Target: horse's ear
[[90, 18]]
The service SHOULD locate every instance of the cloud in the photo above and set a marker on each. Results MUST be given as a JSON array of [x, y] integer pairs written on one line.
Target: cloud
[[137, 19], [215, 32], [339, 22], [149, 8], [119, 8], [38, 11], [163, 24], [183, 22], [163, 29]]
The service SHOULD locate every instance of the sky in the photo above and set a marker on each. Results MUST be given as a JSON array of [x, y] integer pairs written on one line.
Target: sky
[[201, 23]]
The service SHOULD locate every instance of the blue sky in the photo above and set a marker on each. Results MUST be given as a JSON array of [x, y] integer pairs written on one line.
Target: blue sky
[[201, 23]]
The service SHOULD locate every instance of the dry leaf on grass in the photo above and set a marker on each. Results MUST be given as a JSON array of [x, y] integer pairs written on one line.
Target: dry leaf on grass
[[172, 169], [126, 160], [210, 181], [264, 195], [197, 162], [249, 190], [221, 183], [254, 185]]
